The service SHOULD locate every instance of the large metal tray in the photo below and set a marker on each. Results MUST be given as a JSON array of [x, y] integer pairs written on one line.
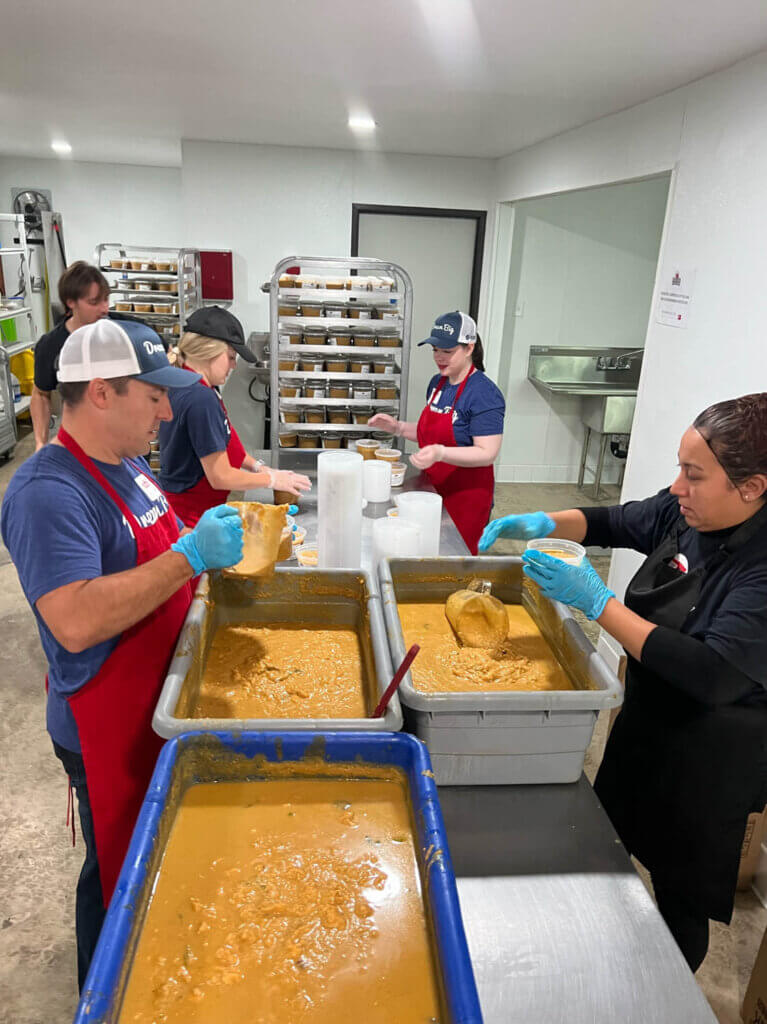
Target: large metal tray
[[434, 579], [327, 597], [208, 757]]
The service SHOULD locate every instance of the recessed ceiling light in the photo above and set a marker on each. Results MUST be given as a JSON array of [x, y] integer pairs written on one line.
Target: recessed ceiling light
[[362, 123], [61, 147]]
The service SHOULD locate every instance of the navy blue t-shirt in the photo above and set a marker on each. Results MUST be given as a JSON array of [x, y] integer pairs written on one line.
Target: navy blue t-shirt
[[199, 427], [60, 526], [731, 613], [480, 408]]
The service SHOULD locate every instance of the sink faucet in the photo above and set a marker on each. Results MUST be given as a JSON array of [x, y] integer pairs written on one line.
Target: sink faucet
[[621, 362]]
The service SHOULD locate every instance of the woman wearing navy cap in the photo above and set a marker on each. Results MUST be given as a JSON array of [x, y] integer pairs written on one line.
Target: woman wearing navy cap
[[460, 430], [202, 457]]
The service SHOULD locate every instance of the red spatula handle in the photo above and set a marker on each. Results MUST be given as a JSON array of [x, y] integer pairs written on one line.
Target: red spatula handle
[[399, 675]]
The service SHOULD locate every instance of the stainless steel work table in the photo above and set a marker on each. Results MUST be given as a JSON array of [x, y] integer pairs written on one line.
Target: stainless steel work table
[[559, 924]]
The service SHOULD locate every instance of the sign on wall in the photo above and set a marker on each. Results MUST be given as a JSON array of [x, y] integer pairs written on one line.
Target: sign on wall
[[675, 296]]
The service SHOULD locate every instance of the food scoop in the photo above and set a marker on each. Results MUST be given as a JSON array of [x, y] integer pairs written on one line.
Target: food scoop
[[478, 619]]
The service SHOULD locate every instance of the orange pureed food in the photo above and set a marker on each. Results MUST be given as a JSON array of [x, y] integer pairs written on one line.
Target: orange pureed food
[[283, 670], [525, 661], [287, 901]]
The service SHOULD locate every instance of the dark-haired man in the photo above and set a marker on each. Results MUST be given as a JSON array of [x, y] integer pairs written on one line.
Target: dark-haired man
[[84, 293]]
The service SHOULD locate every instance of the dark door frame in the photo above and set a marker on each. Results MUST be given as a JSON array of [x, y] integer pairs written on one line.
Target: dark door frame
[[478, 216]]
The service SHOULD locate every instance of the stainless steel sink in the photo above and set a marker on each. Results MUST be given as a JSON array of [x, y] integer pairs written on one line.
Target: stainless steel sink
[[611, 414]]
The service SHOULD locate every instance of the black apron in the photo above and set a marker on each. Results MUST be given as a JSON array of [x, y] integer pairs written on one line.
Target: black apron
[[678, 780]]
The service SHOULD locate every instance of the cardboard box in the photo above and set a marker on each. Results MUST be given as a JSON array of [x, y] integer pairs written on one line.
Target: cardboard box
[[755, 1004], [749, 853]]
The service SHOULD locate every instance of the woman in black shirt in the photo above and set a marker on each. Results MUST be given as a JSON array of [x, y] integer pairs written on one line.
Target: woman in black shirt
[[686, 761]]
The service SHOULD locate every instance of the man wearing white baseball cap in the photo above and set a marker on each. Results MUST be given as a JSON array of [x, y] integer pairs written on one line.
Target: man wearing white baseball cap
[[460, 430], [106, 571]]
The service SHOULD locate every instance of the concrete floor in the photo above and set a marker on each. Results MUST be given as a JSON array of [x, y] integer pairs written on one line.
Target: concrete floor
[[40, 868]]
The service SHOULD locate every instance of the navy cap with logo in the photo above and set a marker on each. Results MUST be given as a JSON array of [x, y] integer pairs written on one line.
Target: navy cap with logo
[[451, 329], [119, 348], [218, 323]]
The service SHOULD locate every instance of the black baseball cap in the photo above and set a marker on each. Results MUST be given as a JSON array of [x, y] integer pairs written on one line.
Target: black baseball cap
[[218, 323]]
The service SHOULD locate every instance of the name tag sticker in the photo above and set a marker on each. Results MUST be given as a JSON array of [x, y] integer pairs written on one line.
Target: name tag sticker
[[151, 490]]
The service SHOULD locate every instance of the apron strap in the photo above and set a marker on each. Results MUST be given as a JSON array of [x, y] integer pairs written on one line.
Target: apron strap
[[90, 467]]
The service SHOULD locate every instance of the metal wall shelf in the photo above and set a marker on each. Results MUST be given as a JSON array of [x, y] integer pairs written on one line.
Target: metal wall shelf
[[329, 350], [9, 314]]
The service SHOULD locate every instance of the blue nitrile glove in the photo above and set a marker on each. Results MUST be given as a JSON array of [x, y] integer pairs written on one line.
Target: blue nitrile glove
[[577, 585], [525, 527], [216, 541]]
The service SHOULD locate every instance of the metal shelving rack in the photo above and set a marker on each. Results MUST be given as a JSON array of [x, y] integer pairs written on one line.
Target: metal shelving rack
[[401, 299], [186, 296], [18, 250]]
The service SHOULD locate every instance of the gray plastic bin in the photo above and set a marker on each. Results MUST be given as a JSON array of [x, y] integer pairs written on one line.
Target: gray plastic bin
[[327, 597], [500, 737]]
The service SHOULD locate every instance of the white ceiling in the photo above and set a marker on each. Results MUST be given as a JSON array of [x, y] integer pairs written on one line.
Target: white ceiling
[[126, 81]]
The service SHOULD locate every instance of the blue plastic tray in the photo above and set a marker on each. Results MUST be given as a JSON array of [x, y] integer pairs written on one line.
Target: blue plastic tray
[[107, 974]]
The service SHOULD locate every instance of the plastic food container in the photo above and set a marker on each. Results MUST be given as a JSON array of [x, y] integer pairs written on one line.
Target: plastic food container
[[383, 366], [340, 335], [288, 364], [367, 448], [501, 737], [391, 455], [339, 389], [566, 550], [337, 365], [362, 415], [336, 309], [308, 558], [310, 307], [137, 264], [359, 310], [312, 364], [287, 305], [315, 414], [384, 439], [387, 311], [292, 338], [290, 414], [290, 391], [338, 416], [398, 475], [315, 334], [166, 286], [308, 441], [287, 281], [162, 307], [331, 440], [142, 307], [362, 389], [329, 597], [386, 391], [364, 336], [123, 307], [119, 264], [335, 283], [315, 389], [288, 439], [163, 266], [389, 339]]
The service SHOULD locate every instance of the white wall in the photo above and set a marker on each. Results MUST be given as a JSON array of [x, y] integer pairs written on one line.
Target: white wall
[[581, 273], [102, 202], [712, 134], [267, 202]]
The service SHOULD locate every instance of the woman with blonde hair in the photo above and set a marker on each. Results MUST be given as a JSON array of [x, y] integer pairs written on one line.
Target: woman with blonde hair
[[203, 459]]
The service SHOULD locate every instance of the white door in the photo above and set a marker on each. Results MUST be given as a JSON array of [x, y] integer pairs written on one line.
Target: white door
[[438, 253]]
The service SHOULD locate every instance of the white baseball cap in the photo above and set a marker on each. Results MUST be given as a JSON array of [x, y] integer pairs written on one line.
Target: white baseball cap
[[119, 348]]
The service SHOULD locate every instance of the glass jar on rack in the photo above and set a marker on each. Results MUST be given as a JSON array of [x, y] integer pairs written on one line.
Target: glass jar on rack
[[383, 364], [338, 416], [288, 439], [338, 364], [387, 311], [360, 364], [290, 414], [311, 307], [364, 335], [363, 390], [312, 364], [387, 391], [331, 439], [308, 440], [290, 389], [292, 337], [315, 414], [389, 338], [287, 305], [336, 309], [360, 310], [339, 389], [315, 334]]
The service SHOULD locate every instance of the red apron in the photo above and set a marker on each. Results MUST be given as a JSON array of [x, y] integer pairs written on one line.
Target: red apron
[[113, 710], [467, 491], [189, 505]]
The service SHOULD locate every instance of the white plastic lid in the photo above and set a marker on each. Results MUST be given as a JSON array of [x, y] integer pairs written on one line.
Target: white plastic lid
[[566, 550]]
